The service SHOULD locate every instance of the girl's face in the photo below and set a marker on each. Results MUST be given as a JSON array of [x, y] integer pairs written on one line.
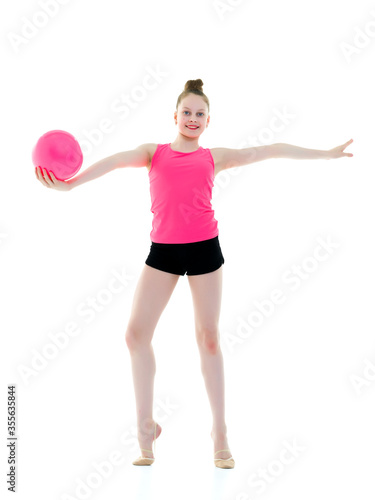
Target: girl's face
[[192, 117]]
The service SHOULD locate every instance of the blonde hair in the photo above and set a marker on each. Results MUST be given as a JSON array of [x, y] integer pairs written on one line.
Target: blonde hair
[[193, 87]]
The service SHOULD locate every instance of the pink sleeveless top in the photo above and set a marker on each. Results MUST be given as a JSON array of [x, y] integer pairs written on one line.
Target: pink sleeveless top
[[181, 192]]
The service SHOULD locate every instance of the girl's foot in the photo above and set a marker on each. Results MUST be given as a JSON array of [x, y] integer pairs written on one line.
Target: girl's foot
[[220, 443], [146, 438]]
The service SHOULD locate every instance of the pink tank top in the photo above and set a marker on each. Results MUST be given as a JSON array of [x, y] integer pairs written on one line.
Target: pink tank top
[[181, 192]]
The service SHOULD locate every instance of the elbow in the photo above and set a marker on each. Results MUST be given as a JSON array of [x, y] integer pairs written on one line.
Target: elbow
[[275, 150]]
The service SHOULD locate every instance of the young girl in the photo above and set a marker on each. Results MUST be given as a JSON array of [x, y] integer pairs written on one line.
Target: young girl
[[184, 240]]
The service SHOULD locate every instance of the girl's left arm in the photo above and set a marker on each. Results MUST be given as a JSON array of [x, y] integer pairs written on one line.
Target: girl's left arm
[[228, 158], [297, 153]]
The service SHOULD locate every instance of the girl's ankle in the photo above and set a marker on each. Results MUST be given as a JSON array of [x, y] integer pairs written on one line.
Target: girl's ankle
[[146, 430], [219, 431]]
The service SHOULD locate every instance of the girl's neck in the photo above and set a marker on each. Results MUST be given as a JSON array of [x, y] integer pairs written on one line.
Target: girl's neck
[[185, 145]]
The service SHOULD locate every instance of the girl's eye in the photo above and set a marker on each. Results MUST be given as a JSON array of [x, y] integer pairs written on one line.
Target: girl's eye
[[200, 113]]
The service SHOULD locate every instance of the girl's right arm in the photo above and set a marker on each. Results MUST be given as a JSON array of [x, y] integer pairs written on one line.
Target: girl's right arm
[[138, 157]]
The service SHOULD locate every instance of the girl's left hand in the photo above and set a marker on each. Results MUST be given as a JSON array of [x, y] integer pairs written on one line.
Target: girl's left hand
[[338, 151]]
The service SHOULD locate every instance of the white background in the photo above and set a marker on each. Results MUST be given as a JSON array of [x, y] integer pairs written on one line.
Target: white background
[[292, 379]]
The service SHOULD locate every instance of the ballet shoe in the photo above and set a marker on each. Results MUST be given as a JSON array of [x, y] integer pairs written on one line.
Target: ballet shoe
[[224, 463], [145, 460]]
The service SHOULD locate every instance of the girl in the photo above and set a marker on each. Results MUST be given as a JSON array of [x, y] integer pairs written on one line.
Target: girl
[[184, 239]]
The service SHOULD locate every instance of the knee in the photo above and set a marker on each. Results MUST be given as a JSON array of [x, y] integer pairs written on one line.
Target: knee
[[129, 339], [208, 339], [134, 338]]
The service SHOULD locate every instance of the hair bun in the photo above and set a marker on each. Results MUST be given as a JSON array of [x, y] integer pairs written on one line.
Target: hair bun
[[194, 85]]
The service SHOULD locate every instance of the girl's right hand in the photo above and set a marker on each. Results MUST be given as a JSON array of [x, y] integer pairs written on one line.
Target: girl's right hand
[[49, 180]]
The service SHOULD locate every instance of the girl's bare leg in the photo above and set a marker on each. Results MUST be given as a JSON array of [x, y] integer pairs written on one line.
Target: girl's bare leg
[[151, 295], [206, 290]]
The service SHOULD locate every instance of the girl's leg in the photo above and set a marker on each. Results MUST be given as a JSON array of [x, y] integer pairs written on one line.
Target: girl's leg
[[151, 295], [206, 290]]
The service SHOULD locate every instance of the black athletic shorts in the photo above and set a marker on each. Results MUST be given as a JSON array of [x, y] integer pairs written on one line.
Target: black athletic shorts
[[199, 257]]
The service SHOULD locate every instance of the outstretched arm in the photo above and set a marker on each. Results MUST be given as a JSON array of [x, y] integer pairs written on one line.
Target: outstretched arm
[[101, 167], [138, 157], [297, 153], [228, 158]]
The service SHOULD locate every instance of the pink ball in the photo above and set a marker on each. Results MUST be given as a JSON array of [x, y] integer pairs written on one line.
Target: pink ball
[[60, 152]]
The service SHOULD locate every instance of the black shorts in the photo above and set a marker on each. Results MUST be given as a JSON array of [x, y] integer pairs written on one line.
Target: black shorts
[[199, 257]]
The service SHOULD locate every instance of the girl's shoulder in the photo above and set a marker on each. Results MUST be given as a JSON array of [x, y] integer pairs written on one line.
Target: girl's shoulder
[[151, 149]]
